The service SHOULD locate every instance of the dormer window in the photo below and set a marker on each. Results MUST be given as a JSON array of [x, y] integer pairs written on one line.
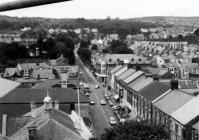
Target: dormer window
[[132, 59]]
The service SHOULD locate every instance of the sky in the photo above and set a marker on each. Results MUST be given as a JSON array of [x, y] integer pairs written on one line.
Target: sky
[[91, 9]]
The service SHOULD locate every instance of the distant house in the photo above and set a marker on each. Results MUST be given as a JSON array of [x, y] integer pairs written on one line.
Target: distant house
[[158, 62]]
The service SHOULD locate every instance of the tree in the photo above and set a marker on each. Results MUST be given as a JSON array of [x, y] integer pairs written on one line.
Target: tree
[[119, 47], [84, 44], [133, 130], [94, 47]]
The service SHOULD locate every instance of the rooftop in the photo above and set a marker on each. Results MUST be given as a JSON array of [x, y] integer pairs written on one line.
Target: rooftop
[[186, 113], [25, 95], [140, 83], [53, 124], [46, 84], [172, 101], [116, 69], [125, 74], [7, 86], [154, 90], [123, 69], [133, 77]]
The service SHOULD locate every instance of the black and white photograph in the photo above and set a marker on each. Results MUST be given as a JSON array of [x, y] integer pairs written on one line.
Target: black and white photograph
[[99, 70]]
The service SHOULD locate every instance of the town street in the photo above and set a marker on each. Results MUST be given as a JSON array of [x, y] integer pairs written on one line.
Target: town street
[[99, 113]]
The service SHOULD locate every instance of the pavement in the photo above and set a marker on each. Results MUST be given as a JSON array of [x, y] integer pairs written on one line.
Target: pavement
[[100, 114]]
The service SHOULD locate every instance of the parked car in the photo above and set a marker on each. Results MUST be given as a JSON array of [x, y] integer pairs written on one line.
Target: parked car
[[112, 121], [115, 107], [96, 86], [102, 102], [106, 96], [122, 121], [92, 103], [80, 73], [87, 94], [110, 103]]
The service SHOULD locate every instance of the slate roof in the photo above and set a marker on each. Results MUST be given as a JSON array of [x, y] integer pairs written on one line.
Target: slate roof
[[187, 112], [116, 69], [44, 74], [154, 90], [172, 101], [46, 84], [133, 77], [7, 86], [28, 66], [125, 74], [10, 71], [140, 83], [53, 124], [157, 71], [25, 95], [124, 68]]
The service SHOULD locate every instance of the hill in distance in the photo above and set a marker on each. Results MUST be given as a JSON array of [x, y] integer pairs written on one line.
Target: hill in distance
[[184, 21]]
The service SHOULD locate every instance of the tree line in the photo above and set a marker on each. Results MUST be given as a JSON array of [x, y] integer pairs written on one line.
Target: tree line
[[50, 48]]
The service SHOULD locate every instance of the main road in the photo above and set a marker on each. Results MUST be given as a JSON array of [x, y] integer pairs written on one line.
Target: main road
[[100, 114]]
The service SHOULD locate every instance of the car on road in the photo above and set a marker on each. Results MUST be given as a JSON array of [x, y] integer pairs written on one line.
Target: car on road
[[112, 121], [92, 103], [102, 102], [110, 103], [96, 86], [115, 107], [122, 121], [87, 94], [106, 96], [80, 73]]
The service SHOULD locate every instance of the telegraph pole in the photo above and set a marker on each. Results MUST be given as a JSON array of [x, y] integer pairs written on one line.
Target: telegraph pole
[[78, 90]]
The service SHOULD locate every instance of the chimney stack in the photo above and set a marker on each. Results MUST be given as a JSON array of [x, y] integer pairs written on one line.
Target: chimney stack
[[32, 105], [4, 123], [174, 84], [64, 78], [32, 130], [56, 104], [33, 108], [156, 78]]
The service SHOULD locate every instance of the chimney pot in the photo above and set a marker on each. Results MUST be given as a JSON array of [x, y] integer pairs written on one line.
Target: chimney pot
[[4, 123], [174, 84], [56, 104], [156, 78], [32, 105], [32, 130]]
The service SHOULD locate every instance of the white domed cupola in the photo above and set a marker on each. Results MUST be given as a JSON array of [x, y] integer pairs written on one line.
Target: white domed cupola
[[48, 101]]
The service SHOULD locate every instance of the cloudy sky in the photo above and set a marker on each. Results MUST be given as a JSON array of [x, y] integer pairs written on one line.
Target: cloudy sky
[[112, 8]]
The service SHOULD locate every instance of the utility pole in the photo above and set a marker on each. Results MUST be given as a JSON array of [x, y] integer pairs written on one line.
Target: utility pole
[[78, 90]]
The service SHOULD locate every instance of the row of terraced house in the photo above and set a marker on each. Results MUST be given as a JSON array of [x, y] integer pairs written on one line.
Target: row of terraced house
[[171, 103]]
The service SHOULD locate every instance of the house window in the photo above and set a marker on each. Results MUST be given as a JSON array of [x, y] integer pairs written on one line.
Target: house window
[[176, 128], [129, 98]]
